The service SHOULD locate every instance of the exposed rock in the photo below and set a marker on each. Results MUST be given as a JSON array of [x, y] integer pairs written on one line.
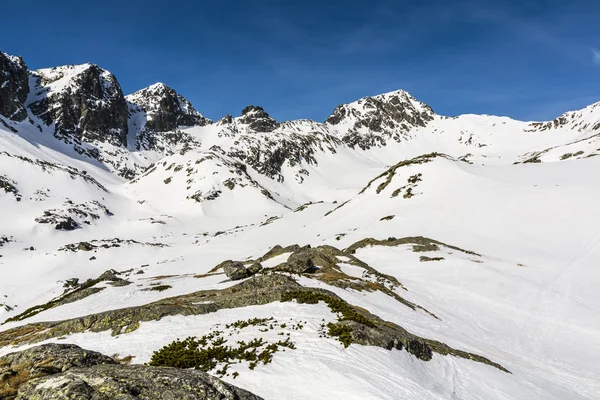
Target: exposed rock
[[235, 270], [67, 225], [106, 244], [300, 262], [257, 119], [51, 168], [165, 109], [278, 250], [61, 372], [260, 289], [255, 268], [36, 362], [156, 113], [74, 292], [10, 187], [84, 101], [420, 244], [53, 358], [5, 240], [373, 120], [106, 382], [83, 213], [14, 87]]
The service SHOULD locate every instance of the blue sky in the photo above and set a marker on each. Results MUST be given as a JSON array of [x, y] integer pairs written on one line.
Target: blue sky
[[528, 59]]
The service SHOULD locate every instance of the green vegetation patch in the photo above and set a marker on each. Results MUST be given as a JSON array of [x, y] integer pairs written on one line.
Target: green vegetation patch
[[157, 288], [342, 332], [426, 259], [346, 311], [211, 350]]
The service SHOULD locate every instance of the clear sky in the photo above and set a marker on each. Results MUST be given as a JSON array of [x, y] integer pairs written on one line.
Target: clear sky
[[528, 59]]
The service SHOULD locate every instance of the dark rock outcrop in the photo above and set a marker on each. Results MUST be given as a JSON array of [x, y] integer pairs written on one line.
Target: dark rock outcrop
[[89, 107], [235, 270], [64, 371], [14, 87], [166, 110], [157, 112], [68, 224], [375, 119], [257, 119], [300, 262]]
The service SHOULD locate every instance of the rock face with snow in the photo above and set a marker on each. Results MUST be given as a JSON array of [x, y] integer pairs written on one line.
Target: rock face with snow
[[84, 102], [370, 121], [157, 112], [269, 146], [257, 119], [14, 87], [165, 109], [587, 119]]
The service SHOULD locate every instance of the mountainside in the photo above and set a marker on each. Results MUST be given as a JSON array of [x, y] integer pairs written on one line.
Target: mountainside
[[388, 252]]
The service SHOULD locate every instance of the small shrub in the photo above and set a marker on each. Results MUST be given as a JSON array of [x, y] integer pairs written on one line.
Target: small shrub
[[348, 313], [422, 248], [158, 288], [342, 332], [425, 258]]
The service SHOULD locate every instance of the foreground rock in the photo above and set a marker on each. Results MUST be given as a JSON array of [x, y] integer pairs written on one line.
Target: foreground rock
[[64, 371]]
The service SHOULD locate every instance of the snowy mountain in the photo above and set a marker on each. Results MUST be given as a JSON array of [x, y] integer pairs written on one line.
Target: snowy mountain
[[388, 252], [371, 121]]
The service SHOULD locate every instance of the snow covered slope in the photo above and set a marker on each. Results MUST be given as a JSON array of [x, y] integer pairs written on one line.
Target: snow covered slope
[[445, 250]]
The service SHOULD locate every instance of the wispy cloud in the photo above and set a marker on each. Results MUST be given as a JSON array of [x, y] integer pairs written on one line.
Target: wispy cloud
[[596, 55]]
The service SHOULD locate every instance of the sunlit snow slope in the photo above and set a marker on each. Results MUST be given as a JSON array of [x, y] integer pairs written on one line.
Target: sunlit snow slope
[[147, 187]]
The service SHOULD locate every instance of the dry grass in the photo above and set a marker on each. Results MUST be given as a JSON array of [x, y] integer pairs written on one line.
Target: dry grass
[[12, 380], [123, 360], [20, 334]]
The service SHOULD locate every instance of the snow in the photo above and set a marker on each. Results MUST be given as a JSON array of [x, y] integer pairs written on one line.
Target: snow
[[529, 302]]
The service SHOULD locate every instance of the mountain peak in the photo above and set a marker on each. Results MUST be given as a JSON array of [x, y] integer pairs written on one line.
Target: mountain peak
[[84, 101], [373, 119], [257, 119], [165, 109], [158, 85]]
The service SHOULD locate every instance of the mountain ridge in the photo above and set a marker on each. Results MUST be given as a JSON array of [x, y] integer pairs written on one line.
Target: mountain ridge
[[387, 253]]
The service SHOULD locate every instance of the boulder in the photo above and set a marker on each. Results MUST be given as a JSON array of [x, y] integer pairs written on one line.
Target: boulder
[[255, 268], [235, 270], [300, 262], [66, 371]]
